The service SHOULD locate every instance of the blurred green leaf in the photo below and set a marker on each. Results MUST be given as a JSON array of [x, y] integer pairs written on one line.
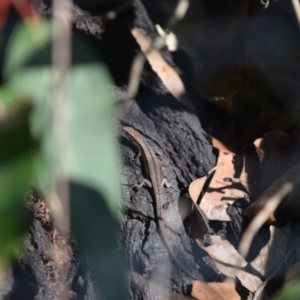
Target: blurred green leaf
[[290, 293], [8, 98], [90, 159], [16, 146], [95, 229], [28, 38], [93, 159], [14, 218], [93, 164], [16, 163], [34, 83]]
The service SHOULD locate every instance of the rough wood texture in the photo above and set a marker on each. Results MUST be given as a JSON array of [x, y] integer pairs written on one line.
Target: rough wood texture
[[38, 274]]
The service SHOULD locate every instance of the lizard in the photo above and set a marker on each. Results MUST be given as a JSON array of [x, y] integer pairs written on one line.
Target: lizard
[[154, 174]]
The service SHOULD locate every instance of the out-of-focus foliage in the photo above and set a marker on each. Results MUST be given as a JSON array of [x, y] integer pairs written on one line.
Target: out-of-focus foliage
[[90, 160], [25, 43], [16, 148], [16, 166], [290, 293]]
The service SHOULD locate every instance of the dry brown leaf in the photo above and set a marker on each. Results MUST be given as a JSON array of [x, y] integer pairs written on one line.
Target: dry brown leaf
[[219, 212], [198, 220], [217, 186], [258, 142], [272, 254], [251, 171], [196, 188], [199, 225], [233, 194], [224, 252], [166, 73], [260, 153], [224, 189], [225, 290], [230, 263]]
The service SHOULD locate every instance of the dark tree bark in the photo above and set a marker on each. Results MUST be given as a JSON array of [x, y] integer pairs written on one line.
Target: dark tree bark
[[171, 129]]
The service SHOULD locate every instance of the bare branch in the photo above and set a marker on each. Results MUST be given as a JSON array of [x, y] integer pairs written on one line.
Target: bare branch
[[262, 217], [296, 6], [158, 43], [61, 59]]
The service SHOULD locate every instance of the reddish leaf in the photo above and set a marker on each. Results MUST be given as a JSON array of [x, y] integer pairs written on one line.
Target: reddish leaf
[[4, 8], [23, 7]]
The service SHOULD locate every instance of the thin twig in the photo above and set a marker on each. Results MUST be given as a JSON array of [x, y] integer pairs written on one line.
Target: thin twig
[[272, 275], [62, 12], [261, 218], [265, 3], [179, 13], [221, 164], [111, 15], [296, 6], [158, 43], [62, 20]]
